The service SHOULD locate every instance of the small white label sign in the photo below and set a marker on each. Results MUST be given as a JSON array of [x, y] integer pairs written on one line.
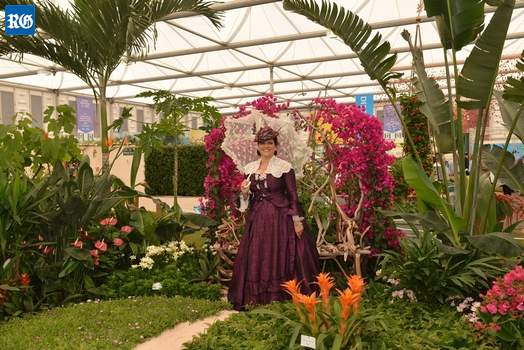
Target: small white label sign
[[308, 342]]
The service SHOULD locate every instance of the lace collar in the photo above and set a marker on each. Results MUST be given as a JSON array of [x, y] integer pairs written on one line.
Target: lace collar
[[276, 167]]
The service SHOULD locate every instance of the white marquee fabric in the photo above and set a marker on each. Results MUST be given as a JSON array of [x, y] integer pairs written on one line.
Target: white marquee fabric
[[193, 58]]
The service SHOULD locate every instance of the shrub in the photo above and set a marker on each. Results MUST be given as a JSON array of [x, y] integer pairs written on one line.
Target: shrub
[[191, 170], [167, 275]]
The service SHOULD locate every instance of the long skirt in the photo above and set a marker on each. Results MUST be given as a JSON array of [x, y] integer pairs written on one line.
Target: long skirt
[[270, 254]]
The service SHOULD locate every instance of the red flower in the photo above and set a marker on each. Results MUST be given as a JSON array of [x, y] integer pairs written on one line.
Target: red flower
[[25, 279], [109, 221], [101, 245], [118, 242], [126, 229], [94, 255], [78, 244], [47, 250]]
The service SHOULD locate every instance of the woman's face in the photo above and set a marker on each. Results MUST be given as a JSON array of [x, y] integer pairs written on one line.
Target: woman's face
[[267, 148]]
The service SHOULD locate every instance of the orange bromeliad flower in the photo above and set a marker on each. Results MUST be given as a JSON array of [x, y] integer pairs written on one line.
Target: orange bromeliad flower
[[356, 283], [325, 282], [310, 302], [292, 287], [348, 299]]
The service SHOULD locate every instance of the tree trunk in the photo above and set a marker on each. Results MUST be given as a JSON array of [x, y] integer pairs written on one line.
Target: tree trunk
[[175, 172], [103, 132]]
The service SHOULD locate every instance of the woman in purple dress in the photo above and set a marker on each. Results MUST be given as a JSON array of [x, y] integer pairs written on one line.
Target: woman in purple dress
[[275, 246]]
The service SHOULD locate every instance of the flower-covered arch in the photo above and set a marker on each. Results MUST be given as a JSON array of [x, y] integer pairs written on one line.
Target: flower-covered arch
[[355, 168], [355, 150]]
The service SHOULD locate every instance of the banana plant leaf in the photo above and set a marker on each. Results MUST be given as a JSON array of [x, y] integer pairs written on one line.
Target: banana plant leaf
[[512, 173], [499, 243], [514, 88], [509, 111], [373, 52], [484, 192], [426, 192], [479, 72], [467, 20], [436, 106]]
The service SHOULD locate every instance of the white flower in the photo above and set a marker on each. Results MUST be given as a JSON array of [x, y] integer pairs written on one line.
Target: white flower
[[393, 281], [411, 295], [378, 273], [134, 266], [132, 257], [156, 286], [475, 306], [461, 307], [146, 263], [398, 294]]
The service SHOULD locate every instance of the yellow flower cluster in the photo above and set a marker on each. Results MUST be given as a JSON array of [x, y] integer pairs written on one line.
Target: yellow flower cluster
[[326, 129]]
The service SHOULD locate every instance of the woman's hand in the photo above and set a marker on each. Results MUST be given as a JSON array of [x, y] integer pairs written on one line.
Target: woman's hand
[[244, 187], [299, 228]]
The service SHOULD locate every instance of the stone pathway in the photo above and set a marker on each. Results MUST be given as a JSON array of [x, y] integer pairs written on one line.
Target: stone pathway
[[173, 339]]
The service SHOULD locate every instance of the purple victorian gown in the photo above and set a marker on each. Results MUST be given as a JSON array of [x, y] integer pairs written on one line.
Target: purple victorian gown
[[270, 252]]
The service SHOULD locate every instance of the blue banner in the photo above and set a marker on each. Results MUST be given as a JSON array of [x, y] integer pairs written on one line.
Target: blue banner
[[365, 101], [85, 114]]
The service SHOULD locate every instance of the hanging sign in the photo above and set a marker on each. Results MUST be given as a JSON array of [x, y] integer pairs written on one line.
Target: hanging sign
[[85, 114], [391, 121], [365, 101]]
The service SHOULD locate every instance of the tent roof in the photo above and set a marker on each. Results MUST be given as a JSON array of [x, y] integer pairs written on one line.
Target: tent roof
[[233, 64]]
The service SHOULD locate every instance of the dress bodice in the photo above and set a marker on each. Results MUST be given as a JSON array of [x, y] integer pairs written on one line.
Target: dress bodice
[[280, 191]]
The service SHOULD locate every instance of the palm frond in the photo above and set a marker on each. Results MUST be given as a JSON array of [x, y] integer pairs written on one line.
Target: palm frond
[[373, 52], [464, 25], [479, 72], [514, 88]]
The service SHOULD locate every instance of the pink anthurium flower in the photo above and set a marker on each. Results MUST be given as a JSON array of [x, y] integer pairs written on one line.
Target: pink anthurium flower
[[101, 245], [118, 242]]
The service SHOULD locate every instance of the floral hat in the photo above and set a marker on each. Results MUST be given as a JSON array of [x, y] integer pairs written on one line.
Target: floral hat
[[265, 134]]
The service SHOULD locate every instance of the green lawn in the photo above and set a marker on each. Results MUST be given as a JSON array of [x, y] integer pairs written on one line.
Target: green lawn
[[117, 324]]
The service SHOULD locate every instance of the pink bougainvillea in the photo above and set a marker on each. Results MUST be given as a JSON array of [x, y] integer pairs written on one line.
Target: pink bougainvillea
[[362, 163]]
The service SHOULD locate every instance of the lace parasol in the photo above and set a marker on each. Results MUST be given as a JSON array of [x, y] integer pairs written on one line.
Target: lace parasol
[[239, 142]]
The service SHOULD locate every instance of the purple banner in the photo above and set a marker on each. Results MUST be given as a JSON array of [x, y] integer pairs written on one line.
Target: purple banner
[[85, 114], [391, 121]]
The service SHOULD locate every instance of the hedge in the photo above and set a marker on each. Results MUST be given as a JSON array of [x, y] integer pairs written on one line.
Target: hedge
[[191, 171]]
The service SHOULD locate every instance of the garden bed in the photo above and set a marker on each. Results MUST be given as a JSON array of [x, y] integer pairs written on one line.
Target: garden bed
[[401, 325]]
